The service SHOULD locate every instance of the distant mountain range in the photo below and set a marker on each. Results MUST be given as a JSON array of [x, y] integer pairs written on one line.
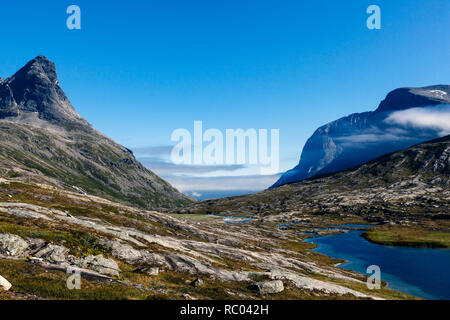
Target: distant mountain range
[[406, 116], [410, 183], [43, 139]]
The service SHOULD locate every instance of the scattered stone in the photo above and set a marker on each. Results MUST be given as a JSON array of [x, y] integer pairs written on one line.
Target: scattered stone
[[237, 294], [52, 253], [102, 265], [280, 235], [197, 282], [188, 296], [12, 245], [4, 284], [306, 283], [151, 271], [124, 252], [268, 287], [34, 245]]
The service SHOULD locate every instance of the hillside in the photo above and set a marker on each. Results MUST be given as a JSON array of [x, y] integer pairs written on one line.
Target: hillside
[[123, 252], [44, 140], [410, 183], [407, 116]]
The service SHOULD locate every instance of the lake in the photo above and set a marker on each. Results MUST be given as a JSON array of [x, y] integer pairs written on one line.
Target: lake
[[418, 271]]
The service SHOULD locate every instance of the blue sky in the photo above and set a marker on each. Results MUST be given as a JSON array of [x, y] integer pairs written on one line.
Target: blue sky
[[137, 70]]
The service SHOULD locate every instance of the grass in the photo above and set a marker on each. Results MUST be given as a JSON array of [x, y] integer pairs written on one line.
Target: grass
[[196, 217], [80, 243], [413, 236], [28, 279]]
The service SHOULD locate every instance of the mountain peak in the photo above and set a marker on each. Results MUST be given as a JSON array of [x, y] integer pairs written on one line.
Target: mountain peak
[[35, 89], [39, 67], [362, 137], [405, 98]]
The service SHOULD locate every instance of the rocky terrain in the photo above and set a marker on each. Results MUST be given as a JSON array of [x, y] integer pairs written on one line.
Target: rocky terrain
[[125, 252], [407, 116], [76, 205], [44, 140], [47, 233]]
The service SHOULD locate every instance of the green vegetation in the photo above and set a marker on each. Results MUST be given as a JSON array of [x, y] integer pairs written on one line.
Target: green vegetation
[[84, 159], [196, 217], [30, 280], [409, 237]]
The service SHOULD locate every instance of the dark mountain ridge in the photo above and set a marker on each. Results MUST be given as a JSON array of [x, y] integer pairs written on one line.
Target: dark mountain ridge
[[408, 183], [361, 137], [43, 139], [35, 88]]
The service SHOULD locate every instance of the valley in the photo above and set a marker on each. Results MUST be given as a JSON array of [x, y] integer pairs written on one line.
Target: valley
[[44, 229], [75, 203]]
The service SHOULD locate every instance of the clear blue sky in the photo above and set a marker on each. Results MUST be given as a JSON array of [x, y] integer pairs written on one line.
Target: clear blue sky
[[140, 69]]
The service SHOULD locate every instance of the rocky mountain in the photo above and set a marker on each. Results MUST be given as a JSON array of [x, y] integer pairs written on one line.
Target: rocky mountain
[[64, 213], [122, 252], [410, 184], [44, 140], [406, 116]]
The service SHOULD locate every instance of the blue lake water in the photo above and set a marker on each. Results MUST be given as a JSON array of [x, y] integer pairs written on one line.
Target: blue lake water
[[421, 272]]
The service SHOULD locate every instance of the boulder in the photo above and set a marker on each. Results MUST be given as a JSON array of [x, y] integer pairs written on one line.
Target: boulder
[[4, 284], [12, 245], [52, 253], [154, 271], [268, 287], [102, 265], [151, 271], [197, 282], [125, 252]]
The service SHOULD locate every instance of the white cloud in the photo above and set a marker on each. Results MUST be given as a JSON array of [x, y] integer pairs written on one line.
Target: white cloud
[[437, 118], [166, 168], [196, 194], [367, 138], [251, 183]]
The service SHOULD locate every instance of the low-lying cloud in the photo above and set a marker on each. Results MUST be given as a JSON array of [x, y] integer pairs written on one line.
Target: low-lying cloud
[[250, 182], [437, 118], [369, 137], [165, 168]]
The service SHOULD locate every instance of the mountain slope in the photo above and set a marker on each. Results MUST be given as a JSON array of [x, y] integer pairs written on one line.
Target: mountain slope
[[403, 119], [412, 182], [43, 139]]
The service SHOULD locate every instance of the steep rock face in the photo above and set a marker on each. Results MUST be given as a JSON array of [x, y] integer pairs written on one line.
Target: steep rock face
[[361, 137], [35, 88], [43, 139], [405, 98]]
